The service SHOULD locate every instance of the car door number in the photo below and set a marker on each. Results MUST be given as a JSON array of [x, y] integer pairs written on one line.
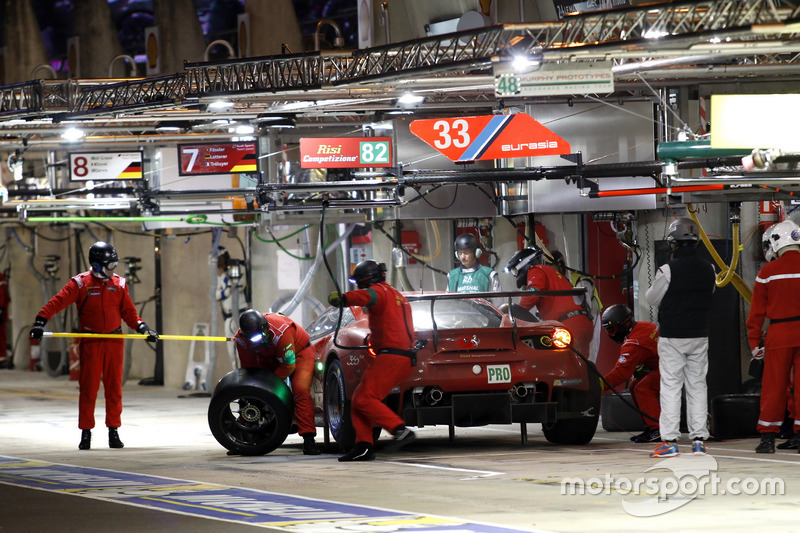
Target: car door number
[[498, 373]]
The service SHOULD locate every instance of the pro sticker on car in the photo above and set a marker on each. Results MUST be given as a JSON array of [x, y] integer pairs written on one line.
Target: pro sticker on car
[[499, 373]]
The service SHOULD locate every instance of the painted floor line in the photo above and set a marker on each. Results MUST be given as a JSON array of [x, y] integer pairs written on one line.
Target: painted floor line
[[485, 473], [231, 504]]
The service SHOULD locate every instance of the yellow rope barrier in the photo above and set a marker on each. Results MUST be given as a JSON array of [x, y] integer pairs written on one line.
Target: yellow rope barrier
[[137, 336]]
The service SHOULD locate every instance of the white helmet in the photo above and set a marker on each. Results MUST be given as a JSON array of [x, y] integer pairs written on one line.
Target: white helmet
[[784, 234], [766, 244], [683, 232]]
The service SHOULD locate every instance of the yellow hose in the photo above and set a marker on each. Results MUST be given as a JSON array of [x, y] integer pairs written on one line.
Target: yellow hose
[[729, 274], [437, 246]]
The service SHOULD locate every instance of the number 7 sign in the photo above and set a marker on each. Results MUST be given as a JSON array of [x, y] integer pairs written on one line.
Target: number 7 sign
[[489, 137]]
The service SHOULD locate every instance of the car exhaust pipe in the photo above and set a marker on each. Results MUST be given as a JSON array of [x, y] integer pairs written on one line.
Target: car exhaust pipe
[[433, 396], [518, 392]]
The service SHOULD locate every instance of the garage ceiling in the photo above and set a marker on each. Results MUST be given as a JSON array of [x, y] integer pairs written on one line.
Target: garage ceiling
[[651, 47]]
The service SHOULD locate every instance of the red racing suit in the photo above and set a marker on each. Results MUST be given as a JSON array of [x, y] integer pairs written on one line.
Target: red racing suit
[[775, 298], [560, 308], [391, 329], [286, 353], [103, 303], [640, 347]]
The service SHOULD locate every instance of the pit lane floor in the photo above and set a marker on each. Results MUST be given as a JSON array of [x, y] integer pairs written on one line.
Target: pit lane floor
[[173, 476]]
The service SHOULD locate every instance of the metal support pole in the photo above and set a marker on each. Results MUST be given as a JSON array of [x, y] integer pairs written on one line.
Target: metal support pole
[[159, 370]]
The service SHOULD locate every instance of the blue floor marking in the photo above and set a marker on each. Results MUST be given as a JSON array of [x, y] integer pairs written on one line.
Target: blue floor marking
[[220, 502]]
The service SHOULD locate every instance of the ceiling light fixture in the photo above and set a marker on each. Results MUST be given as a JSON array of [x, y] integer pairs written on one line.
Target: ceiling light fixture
[[72, 134], [220, 105], [410, 100], [172, 126]]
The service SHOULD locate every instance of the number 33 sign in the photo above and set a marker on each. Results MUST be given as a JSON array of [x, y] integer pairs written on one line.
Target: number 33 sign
[[489, 137]]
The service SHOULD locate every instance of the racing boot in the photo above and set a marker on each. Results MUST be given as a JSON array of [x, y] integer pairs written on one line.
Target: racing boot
[[86, 440], [791, 444], [113, 439], [309, 446], [767, 444], [402, 436], [360, 452]]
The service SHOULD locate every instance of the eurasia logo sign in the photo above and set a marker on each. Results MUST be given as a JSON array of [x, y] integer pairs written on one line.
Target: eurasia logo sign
[[489, 137]]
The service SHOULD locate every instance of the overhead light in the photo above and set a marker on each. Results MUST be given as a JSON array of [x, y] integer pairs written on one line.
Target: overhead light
[[524, 63], [175, 125], [220, 105], [275, 121], [408, 100], [244, 129], [72, 134]]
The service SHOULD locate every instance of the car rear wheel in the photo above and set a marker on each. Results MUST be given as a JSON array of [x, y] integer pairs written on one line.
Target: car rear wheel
[[250, 412], [337, 406], [584, 404]]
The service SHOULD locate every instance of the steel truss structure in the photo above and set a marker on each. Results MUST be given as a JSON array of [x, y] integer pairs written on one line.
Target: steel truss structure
[[634, 33]]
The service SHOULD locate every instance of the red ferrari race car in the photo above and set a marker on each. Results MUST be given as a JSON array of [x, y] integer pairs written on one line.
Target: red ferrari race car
[[475, 366]]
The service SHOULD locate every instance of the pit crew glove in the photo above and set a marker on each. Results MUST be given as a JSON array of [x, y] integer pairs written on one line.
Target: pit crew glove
[[38, 328], [758, 352], [143, 329], [336, 299]]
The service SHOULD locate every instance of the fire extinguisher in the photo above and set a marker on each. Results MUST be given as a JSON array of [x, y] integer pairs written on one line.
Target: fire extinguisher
[[769, 213]]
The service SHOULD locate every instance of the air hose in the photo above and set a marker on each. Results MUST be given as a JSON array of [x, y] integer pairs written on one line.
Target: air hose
[[730, 275]]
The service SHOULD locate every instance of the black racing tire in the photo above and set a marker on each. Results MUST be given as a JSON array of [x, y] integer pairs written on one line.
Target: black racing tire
[[337, 406], [250, 412], [578, 430], [735, 416]]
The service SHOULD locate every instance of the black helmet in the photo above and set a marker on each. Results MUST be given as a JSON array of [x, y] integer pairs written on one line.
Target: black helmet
[[683, 232], [103, 258], [618, 322], [254, 326], [521, 261], [467, 241], [368, 273]]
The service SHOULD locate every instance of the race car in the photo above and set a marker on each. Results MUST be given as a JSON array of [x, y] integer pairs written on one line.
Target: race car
[[475, 366]]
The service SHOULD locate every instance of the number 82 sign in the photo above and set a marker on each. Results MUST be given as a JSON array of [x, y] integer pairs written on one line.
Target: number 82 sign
[[345, 152]]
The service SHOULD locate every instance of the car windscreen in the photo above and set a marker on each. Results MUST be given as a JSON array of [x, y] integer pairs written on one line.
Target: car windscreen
[[454, 314], [326, 322]]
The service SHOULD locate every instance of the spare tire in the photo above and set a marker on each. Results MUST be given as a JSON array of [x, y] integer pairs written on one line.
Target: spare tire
[[735, 416], [251, 411]]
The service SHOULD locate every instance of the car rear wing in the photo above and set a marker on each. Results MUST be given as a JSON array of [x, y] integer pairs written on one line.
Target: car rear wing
[[433, 298]]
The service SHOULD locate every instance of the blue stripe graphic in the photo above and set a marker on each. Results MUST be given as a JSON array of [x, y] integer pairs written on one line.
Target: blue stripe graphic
[[486, 137]]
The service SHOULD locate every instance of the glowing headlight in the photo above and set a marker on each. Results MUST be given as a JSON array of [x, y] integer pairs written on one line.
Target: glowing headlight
[[256, 338], [561, 338]]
